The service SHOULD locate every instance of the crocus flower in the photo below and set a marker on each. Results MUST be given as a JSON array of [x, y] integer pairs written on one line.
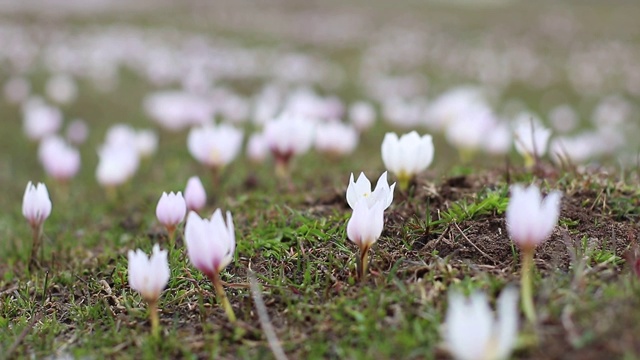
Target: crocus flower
[[288, 136], [40, 120], [36, 208], [170, 211], [360, 190], [194, 194], [211, 244], [362, 115], [364, 228], [77, 132], [116, 165], [471, 330], [530, 221], [257, 148], [149, 276], [36, 204], [62, 89], [60, 160], [146, 142], [336, 139], [215, 146], [407, 156]]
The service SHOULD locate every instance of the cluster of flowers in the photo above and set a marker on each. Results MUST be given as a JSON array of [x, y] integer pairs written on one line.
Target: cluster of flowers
[[211, 246]]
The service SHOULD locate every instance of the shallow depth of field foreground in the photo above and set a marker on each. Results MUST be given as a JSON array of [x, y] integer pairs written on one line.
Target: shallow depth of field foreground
[[311, 180]]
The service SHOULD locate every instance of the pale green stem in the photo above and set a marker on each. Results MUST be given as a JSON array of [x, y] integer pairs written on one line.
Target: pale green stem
[[172, 237], [362, 265], [155, 320], [466, 155], [529, 161], [404, 182], [527, 285], [222, 297], [112, 194]]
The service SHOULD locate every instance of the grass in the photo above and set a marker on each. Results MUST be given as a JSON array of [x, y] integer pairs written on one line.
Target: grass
[[447, 233]]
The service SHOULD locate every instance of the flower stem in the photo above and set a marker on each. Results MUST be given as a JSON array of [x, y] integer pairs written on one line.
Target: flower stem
[[36, 232], [403, 182], [362, 264], [172, 237], [222, 297], [155, 321], [111, 194], [527, 286]]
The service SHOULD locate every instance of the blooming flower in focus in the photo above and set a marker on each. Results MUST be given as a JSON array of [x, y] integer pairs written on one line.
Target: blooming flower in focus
[[148, 276], [36, 208], [530, 220], [336, 139], [214, 146], [360, 190], [407, 156], [210, 242], [171, 210], [194, 194], [364, 228], [60, 161], [36, 204], [472, 332]]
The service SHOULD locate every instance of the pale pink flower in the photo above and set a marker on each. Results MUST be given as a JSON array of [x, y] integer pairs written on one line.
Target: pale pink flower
[[215, 146], [148, 275], [171, 209], [195, 195], [40, 120], [210, 242], [362, 115], [77, 132], [530, 220], [335, 138], [257, 148], [60, 160], [36, 204]]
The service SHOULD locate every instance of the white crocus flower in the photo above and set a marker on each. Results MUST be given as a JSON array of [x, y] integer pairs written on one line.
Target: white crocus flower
[[472, 332], [215, 146], [364, 228], [530, 220], [407, 156], [360, 190], [148, 276]]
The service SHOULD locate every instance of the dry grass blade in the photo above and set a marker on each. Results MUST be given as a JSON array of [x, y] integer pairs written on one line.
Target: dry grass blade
[[265, 323]]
